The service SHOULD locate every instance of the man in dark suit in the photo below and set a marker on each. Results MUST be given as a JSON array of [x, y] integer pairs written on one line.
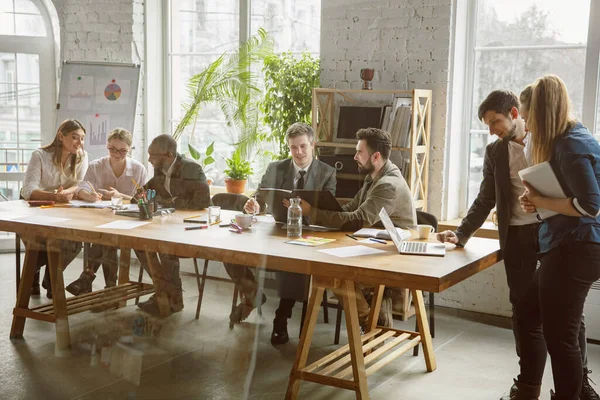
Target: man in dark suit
[[179, 183], [301, 171], [517, 230]]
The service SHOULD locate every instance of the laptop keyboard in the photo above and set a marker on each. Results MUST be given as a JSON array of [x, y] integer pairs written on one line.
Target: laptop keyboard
[[415, 247]]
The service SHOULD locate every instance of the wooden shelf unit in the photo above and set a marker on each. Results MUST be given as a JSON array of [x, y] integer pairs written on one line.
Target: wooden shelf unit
[[323, 119]]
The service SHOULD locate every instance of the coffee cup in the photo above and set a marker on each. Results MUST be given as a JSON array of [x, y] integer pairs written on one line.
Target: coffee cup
[[244, 221], [424, 231]]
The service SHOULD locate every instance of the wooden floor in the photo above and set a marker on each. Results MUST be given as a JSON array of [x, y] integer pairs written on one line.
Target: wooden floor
[[203, 359]]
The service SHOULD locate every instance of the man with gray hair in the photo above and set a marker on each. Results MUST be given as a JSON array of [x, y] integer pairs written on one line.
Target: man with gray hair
[[301, 171]]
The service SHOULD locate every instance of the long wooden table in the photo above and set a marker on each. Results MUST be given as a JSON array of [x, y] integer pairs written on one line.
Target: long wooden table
[[263, 246]]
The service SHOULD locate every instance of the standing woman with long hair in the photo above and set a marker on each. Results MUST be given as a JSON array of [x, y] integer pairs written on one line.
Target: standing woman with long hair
[[569, 241], [53, 173]]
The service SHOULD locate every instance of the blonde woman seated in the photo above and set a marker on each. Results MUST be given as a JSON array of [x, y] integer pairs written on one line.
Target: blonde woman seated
[[108, 177], [53, 173]]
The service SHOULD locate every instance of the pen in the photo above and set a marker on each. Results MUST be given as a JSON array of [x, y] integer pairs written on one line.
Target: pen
[[351, 236], [136, 184], [191, 228], [196, 222], [194, 216], [216, 222], [378, 240]]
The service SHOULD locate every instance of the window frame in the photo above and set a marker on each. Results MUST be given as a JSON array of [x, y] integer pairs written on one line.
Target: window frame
[[460, 118], [46, 48]]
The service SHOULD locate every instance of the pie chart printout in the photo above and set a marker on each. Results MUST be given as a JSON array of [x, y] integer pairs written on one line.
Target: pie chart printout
[[112, 92]]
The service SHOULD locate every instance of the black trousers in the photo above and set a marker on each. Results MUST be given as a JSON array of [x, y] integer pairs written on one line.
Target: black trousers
[[521, 262], [555, 302]]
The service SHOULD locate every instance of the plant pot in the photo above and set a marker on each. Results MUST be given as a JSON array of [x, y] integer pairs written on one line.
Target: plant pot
[[235, 186], [209, 181]]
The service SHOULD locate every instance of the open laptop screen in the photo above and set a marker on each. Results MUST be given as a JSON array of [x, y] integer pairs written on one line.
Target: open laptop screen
[[390, 228]]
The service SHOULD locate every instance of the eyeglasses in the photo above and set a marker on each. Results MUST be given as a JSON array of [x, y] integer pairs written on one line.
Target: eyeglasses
[[120, 151]]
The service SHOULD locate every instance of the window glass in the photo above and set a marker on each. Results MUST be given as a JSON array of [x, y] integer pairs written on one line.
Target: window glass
[[517, 41]]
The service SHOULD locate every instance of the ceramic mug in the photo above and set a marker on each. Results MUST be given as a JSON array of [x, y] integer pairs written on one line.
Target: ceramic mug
[[424, 231], [244, 221]]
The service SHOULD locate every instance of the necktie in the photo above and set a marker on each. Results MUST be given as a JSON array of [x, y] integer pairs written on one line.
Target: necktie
[[300, 184]]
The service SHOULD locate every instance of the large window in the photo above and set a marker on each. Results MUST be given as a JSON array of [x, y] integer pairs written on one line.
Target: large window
[[513, 43], [26, 88], [201, 30]]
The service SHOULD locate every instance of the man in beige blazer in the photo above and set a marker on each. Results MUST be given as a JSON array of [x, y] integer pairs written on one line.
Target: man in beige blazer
[[384, 187]]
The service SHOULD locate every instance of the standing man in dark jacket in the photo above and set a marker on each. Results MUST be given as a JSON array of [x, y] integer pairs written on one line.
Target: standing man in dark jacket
[[179, 183], [517, 230]]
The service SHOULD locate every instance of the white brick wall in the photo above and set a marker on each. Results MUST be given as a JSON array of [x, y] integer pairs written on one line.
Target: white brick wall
[[105, 30], [407, 43]]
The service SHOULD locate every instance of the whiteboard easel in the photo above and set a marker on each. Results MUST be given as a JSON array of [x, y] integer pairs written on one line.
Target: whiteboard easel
[[102, 96]]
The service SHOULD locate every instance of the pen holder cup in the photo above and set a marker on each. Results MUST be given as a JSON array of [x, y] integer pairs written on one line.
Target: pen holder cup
[[145, 211]]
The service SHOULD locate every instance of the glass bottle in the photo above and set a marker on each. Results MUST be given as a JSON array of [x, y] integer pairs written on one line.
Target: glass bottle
[[294, 219]]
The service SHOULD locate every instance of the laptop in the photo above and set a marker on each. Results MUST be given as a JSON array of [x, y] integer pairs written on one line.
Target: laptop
[[322, 199], [406, 247]]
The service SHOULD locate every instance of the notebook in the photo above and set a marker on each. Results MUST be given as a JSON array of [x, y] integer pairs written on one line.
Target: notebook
[[381, 233], [405, 247], [542, 178]]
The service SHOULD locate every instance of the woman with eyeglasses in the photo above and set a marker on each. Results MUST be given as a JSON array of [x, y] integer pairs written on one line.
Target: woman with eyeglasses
[[52, 174], [108, 177]]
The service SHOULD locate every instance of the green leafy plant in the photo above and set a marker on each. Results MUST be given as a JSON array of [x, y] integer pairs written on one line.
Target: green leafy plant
[[230, 82], [289, 81], [197, 155], [238, 168]]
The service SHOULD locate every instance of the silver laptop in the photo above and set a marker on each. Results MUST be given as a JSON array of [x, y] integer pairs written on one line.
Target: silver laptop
[[405, 247]]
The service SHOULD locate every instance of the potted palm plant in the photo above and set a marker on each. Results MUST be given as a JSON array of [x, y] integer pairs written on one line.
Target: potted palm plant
[[230, 82], [238, 170]]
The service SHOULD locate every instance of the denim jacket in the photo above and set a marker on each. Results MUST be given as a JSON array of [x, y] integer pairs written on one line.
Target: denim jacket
[[576, 163]]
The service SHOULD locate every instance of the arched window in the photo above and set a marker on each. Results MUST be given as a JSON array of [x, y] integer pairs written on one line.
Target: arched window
[[27, 87]]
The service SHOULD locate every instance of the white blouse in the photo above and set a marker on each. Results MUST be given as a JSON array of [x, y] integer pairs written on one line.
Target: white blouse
[[101, 175], [42, 174]]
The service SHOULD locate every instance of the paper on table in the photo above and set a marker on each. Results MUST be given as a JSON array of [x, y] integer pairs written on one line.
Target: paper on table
[[366, 241], [123, 224], [42, 219], [351, 251]]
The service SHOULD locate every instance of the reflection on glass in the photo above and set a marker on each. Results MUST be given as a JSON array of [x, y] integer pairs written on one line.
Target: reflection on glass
[[30, 25], [531, 22], [26, 6], [294, 24], [28, 68], [492, 71], [7, 23]]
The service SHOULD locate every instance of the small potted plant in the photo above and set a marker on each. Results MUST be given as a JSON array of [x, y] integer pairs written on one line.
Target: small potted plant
[[203, 161], [238, 171]]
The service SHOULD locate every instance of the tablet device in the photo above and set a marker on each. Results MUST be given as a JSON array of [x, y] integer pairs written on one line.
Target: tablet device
[[542, 178]]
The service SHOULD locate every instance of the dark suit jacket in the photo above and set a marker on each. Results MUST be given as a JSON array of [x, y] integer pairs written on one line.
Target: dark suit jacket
[[495, 190], [280, 175], [189, 188]]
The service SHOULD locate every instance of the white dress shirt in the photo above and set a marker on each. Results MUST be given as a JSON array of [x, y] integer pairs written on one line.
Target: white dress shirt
[[101, 175], [168, 174], [297, 170], [517, 160], [42, 174]]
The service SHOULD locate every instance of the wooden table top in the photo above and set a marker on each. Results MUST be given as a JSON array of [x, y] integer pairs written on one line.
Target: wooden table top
[[263, 245]]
